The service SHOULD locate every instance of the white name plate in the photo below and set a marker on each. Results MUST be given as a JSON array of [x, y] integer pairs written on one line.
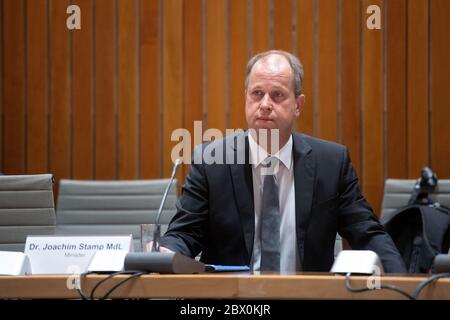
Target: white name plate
[[14, 263], [70, 254]]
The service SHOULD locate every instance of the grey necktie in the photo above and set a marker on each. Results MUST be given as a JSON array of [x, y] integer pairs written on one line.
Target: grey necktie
[[270, 218]]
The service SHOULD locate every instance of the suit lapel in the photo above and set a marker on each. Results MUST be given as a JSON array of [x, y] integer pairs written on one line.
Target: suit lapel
[[304, 171], [243, 188]]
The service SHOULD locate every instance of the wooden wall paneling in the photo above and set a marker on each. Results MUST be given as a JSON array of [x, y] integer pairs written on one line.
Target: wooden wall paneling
[[82, 94], [440, 72], [59, 59], [238, 57], [37, 87], [396, 133], [216, 46], [150, 90], [350, 79], [306, 51], [260, 25], [14, 87], [417, 87], [127, 90], [193, 49], [282, 33], [172, 79], [105, 90], [112, 95], [327, 70], [372, 90]]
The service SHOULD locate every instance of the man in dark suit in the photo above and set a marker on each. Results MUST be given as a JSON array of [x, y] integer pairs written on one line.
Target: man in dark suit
[[220, 210]]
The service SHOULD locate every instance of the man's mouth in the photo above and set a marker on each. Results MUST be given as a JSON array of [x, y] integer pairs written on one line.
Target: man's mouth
[[264, 119]]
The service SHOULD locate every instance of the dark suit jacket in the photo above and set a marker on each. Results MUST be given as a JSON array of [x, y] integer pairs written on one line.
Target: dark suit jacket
[[215, 213]]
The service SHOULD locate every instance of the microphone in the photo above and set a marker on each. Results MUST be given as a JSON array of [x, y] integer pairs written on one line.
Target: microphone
[[157, 232], [425, 185], [428, 178], [162, 262]]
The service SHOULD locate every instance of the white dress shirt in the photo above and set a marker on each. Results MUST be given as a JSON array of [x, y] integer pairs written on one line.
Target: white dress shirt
[[285, 178]]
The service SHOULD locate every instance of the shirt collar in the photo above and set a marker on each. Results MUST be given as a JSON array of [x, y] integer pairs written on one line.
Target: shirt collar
[[258, 154]]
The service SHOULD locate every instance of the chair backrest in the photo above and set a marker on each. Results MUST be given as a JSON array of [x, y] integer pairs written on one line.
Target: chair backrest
[[397, 193], [118, 207], [26, 208]]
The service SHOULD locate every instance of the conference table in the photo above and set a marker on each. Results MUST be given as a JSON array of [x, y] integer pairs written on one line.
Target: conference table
[[218, 286]]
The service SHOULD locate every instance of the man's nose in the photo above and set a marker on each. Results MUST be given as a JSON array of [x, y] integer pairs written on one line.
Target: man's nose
[[266, 102]]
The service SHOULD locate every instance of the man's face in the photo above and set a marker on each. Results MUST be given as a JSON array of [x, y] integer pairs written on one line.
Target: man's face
[[270, 99]]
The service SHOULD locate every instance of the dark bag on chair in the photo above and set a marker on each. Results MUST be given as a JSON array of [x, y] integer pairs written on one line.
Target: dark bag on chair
[[420, 232]]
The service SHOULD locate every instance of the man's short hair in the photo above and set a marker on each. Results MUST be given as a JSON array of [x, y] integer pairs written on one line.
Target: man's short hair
[[296, 66]]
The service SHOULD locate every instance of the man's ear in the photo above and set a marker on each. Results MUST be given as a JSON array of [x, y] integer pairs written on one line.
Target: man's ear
[[300, 101]]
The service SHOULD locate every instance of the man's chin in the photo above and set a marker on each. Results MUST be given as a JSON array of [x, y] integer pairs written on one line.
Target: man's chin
[[265, 124]]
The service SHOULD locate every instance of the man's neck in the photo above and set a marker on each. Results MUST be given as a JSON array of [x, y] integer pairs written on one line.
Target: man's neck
[[272, 142]]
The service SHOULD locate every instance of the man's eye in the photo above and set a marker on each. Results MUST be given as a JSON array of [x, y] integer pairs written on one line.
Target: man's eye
[[277, 95], [257, 93]]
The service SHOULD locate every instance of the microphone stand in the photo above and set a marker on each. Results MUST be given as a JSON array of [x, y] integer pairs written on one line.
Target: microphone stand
[[162, 262], [157, 232]]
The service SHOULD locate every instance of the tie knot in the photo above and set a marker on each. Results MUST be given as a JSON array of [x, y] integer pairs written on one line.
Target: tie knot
[[270, 165]]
